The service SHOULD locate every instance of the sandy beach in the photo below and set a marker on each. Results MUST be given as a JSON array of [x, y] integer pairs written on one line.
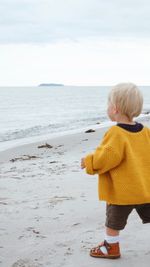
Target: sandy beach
[[50, 212]]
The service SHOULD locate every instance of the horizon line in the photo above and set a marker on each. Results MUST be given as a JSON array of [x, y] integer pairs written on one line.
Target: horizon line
[[75, 85]]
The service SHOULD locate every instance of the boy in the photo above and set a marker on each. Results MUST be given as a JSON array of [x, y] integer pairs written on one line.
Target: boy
[[122, 162]]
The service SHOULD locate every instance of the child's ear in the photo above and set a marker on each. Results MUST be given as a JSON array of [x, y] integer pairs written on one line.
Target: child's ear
[[115, 109]]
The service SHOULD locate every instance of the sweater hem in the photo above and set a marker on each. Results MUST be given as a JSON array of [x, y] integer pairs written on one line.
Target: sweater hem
[[124, 203]]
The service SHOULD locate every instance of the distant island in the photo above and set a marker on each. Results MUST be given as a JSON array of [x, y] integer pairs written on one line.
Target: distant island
[[51, 84]]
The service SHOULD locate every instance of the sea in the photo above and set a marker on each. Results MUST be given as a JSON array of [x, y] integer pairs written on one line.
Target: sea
[[29, 114]]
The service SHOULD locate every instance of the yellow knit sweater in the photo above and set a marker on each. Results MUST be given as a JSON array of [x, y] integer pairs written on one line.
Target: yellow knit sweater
[[122, 162]]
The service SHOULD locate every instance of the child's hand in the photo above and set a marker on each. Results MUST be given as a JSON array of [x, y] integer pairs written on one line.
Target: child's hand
[[82, 163]]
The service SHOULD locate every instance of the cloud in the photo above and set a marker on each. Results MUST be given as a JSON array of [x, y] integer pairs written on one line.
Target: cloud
[[46, 21]]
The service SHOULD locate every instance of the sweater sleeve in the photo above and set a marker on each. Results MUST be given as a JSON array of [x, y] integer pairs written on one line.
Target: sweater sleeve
[[108, 154]]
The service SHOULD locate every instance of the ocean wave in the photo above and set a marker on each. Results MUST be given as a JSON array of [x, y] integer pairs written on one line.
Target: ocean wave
[[50, 128]]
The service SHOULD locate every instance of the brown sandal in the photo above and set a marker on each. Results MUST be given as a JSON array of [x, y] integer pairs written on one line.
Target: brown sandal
[[113, 251]]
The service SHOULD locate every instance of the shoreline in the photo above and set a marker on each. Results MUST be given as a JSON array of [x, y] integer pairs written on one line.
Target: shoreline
[[36, 139], [41, 138], [52, 141]]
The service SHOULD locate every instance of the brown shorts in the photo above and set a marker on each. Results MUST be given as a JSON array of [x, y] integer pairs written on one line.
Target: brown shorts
[[117, 215]]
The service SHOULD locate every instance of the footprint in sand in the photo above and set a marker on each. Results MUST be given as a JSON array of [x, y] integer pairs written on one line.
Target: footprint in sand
[[56, 199], [75, 224], [68, 252], [26, 263], [30, 231], [24, 157]]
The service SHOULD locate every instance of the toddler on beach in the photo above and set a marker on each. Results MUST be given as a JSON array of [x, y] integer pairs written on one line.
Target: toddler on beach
[[122, 162]]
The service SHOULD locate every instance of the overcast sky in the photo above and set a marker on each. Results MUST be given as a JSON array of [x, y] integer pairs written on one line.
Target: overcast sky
[[78, 42]]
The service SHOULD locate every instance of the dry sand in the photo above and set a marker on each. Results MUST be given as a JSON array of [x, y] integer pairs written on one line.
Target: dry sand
[[50, 213]]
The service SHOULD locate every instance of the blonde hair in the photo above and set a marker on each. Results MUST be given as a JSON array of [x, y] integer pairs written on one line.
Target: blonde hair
[[127, 98]]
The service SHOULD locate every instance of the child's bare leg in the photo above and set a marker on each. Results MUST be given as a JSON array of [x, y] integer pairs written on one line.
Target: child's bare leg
[[112, 235], [111, 232]]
